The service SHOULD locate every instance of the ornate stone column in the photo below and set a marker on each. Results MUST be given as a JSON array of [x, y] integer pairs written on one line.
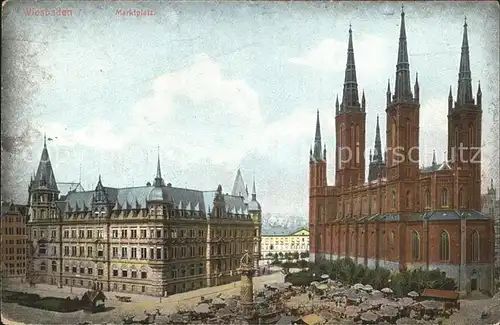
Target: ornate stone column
[[247, 271]]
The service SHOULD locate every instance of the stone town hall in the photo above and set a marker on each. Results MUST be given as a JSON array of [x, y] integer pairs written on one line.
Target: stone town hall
[[404, 216]]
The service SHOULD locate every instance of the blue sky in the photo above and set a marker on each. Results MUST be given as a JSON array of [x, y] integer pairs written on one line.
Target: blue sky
[[225, 86]]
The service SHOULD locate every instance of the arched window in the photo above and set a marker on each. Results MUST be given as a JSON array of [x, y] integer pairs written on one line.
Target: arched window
[[394, 199], [408, 134], [393, 139], [353, 244], [444, 251], [320, 214], [475, 246], [415, 246], [408, 199], [444, 197], [461, 198], [356, 144], [393, 133], [341, 150], [427, 199], [392, 239], [471, 135]]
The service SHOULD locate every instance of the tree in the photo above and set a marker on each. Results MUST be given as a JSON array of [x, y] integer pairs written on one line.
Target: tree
[[296, 255]]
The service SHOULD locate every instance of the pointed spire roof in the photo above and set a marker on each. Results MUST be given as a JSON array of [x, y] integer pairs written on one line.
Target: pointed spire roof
[[350, 96], [100, 192], [239, 187], [44, 177], [158, 179], [254, 205], [254, 192], [317, 140], [464, 92], [434, 163], [377, 153], [402, 90]]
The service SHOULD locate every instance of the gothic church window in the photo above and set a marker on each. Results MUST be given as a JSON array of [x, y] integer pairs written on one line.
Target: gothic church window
[[461, 198], [394, 200], [408, 199], [408, 134], [471, 135], [444, 197], [415, 246], [444, 247], [427, 199], [320, 214], [475, 246]]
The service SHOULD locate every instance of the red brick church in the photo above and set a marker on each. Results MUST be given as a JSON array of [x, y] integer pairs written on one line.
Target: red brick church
[[404, 215]]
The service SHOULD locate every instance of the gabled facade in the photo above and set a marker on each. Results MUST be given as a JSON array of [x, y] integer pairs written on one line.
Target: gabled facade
[[155, 239], [403, 216]]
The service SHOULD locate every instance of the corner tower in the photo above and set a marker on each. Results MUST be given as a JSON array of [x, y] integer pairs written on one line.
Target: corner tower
[[43, 191], [350, 122], [464, 128]]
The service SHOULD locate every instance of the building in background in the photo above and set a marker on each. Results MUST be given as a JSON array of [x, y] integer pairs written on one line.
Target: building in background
[[154, 239], [491, 207], [282, 241], [13, 242], [404, 216]]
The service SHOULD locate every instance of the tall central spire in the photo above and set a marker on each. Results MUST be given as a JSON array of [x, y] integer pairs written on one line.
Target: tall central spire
[[402, 91], [464, 93], [377, 155], [317, 140], [350, 98], [158, 179]]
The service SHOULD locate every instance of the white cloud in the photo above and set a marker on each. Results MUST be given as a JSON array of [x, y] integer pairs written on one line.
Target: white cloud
[[325, 56], [370, 55]]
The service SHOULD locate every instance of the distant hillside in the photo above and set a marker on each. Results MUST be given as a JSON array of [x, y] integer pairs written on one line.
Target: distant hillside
[[273, 220]]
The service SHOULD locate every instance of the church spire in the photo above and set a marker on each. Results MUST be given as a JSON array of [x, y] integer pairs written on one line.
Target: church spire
[[377, 154], [317, 140], [350, 96], [158, 179], [402, 90], [464, 92]]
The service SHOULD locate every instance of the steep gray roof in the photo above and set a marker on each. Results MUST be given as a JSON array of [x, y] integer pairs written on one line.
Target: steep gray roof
[[435, 167], [66, 187], [137, 198], [44, 177], [239, 188]]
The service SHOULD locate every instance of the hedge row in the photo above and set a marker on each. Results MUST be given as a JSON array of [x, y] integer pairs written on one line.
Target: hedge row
[[349, 273], [62, 305]]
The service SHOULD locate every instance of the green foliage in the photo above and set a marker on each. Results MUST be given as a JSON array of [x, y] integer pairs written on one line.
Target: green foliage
[[302, 278], [304, 255], [67, 305], [418, 280], [349, 273]]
